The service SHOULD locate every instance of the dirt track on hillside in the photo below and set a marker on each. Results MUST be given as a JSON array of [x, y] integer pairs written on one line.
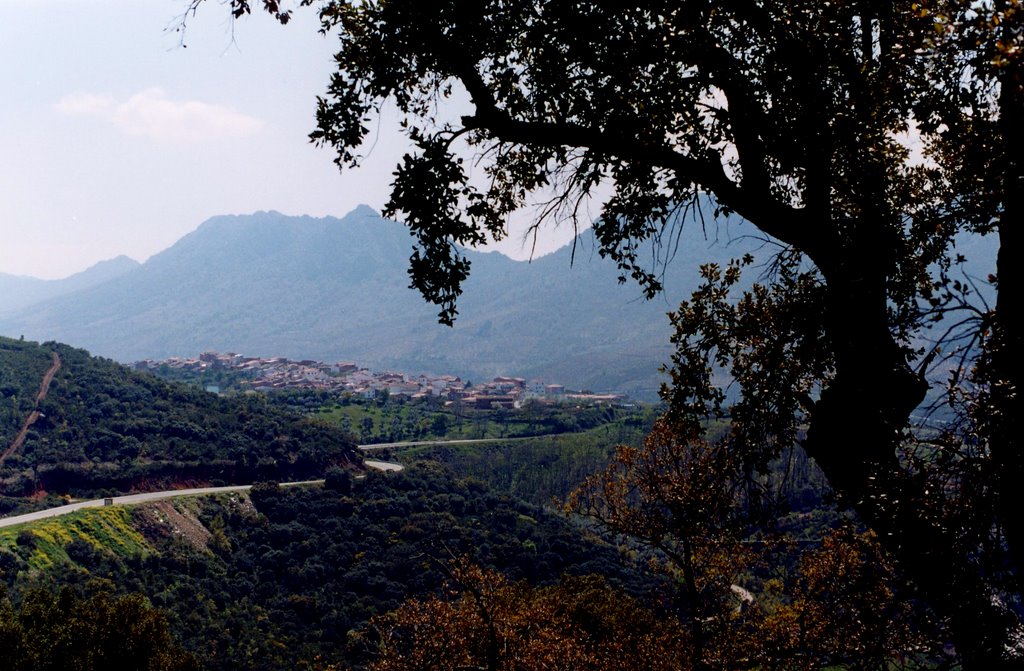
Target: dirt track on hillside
[[44, 389]]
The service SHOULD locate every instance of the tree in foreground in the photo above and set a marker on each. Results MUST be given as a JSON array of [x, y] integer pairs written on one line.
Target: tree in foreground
[[838, 610], [836, 602], [65, 631], [803, 117], [486, 622]]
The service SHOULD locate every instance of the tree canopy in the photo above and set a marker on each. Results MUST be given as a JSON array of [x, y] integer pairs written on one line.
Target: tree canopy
[[64, 630], [486, 622], [864, 138]]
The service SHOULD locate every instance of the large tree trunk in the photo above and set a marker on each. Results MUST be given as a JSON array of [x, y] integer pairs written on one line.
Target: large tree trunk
[[855, 432], [1005, 372]]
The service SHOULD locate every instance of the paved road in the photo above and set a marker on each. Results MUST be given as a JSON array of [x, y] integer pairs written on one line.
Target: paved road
[[383, 465], [131, 499], [457, 441]]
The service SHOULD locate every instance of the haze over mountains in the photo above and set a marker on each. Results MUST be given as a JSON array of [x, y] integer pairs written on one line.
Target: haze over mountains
[[337, 289], [18, 291]]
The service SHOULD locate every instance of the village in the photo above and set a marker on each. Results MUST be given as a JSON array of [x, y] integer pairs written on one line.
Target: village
[[264, 374]]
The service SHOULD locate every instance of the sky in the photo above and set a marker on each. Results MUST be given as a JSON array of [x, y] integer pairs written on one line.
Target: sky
[[116, 139]]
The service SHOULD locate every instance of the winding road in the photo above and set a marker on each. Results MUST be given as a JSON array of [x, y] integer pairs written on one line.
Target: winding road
[[132, 499], [456, 441]]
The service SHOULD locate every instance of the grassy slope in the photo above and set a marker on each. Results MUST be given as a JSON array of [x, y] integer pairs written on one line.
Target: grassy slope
[[43, 545]]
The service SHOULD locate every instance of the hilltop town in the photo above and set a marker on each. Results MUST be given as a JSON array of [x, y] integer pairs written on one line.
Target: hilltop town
[[280, 373]]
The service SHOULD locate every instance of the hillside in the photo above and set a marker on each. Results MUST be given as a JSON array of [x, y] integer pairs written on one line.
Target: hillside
[[330, 289], [287, 578], [104, 427]]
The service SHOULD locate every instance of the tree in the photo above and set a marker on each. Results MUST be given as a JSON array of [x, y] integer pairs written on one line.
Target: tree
[[839, 609], [485, 622], [689, 499], [64, 630], [977, 106], [800, 116]]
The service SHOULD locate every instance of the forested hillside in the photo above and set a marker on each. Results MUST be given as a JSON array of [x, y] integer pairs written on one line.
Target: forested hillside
[[281, 578], [105, 427], [319, 577], [22, 368], [289, 577], [542, 470]]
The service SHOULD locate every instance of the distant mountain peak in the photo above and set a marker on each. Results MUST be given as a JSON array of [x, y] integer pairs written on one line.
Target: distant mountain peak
[[18, 292], [363, 210], [119, 261]]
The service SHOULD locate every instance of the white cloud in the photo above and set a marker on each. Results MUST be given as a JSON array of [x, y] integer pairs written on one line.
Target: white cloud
[[150, 113], [86, 104]]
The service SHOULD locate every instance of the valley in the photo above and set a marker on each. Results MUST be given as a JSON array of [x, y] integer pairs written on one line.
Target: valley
[[630, 337], [185, 484], [152, 484], [275, 507]]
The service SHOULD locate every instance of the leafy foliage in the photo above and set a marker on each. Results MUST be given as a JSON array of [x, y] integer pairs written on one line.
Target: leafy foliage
[[64, 630], [794, 115], [836, 609], [484, 621], [834, 601]]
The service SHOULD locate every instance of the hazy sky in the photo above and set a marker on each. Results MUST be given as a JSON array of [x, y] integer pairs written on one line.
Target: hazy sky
[[115, 140]]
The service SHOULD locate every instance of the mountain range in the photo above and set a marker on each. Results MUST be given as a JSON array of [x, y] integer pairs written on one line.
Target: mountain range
[[19, 291], [337, 289]]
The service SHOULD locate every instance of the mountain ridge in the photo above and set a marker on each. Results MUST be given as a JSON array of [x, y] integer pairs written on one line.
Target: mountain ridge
[[20, 291], [329, 289]]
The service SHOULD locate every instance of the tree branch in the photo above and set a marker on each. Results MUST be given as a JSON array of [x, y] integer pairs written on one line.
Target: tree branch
[[784, 222]]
